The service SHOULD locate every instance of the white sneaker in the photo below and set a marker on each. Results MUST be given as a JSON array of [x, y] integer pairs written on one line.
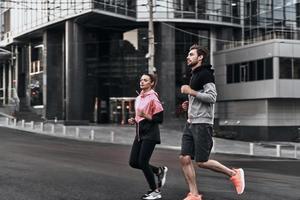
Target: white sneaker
[[162, 176], [152, 195]]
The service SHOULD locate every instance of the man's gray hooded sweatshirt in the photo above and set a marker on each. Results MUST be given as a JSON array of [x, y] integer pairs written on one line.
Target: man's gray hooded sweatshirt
[[201, 107]]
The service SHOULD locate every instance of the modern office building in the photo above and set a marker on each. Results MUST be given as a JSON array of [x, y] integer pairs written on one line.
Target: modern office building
[[80, 60]]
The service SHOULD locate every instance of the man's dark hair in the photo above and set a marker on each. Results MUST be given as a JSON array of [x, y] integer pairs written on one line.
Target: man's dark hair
[[200, 50]]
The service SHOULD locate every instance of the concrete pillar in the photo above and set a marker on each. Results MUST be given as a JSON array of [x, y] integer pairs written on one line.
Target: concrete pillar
[[75, 71], [213, 45], [4, 83], [276, 73], [28, 78], [23, 72], [53, 83], [165, 65], [16, 67]]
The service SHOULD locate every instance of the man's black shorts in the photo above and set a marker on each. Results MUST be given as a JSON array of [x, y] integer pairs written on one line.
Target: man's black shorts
[[197, 141]]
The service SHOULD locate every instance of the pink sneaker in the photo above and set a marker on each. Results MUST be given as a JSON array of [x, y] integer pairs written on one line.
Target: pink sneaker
[[238, 180], [190, 196]]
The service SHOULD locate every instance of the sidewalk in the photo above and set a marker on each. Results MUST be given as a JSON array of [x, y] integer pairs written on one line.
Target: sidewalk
[[171, 139]]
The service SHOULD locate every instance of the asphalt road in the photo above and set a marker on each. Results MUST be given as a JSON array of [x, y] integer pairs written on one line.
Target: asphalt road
[[38, 167]]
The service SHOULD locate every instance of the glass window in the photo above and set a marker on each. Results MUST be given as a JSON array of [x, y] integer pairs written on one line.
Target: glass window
[[260, 69], [236, 11], [269, 68], [177, 4], [189, 5], [252, 71], [236, 73], [244, 72], [290, 10], [275, 19], [285, 65], [235, 8], [36, 89], [247, 13], [226, 11], [203, 41], [297, 14], [7, 21], [201, 9], [296, 68], [278, 10], [229, 73]]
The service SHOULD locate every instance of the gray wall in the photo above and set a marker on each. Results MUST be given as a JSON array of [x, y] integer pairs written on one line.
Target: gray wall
[[258, 110], [275, 88]]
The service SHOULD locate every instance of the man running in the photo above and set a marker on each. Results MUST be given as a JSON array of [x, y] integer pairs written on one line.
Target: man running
[[197, 134]]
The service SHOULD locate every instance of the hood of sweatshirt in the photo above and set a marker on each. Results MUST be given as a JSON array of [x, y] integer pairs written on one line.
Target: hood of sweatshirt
[[148, 103], [209, 67]]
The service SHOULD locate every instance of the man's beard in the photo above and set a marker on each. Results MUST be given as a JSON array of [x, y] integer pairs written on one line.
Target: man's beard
[[192, 64]]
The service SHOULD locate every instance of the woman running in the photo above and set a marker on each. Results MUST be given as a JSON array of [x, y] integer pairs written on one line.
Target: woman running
[[148, 115]]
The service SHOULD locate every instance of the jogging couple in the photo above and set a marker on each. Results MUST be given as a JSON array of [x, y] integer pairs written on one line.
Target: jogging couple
[[196, 141]]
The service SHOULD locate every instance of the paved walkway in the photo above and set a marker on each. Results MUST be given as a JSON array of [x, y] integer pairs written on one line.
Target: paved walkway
[[171, 139]]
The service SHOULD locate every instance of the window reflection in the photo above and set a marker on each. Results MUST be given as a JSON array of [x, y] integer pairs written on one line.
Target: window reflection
[[285, 68], [289, 68], [215, 10], [271, 19], [250, 71], [296, 68]]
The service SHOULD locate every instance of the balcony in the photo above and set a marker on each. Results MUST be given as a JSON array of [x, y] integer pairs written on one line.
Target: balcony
[[126, 8]]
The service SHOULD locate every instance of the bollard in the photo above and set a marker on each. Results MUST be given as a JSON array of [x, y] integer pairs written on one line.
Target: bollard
[[92, 136], [64, 130], [7, 121], [77, 132], [52, 128], [32, 124], [15, 122], [42, 127], [278, 150], [251, 146], [23, 123], [112, 137]]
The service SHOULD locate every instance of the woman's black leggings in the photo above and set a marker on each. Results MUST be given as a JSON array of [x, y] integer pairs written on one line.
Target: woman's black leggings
[[140, 155]]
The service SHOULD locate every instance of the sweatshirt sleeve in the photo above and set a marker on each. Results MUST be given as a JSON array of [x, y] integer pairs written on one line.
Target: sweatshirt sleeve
[[209, 94], [158, 117]]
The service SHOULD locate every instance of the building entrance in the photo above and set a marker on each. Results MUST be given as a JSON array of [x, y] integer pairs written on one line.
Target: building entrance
[[121, 109]]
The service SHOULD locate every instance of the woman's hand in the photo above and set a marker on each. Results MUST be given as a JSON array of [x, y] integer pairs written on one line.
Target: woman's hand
[[131, 121], [144, 115], [185, 105]]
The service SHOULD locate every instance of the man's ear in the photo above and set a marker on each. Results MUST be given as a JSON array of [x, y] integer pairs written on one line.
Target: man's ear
[[200, 57]]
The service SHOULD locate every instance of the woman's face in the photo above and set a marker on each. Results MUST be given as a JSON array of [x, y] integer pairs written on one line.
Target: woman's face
[[145, 83]]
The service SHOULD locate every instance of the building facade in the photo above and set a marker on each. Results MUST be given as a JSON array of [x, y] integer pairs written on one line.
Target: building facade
[[80, 60]]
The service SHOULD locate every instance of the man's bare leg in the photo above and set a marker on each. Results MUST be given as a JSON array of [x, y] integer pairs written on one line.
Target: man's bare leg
[[217, 167], [189, 173]]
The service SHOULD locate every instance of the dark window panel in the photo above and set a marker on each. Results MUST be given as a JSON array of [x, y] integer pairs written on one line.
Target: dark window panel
[[269, 68], [260, 69], [252, 71], [296, 68], [236, 72], [285, 68], [229, 73], [244, 72]]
